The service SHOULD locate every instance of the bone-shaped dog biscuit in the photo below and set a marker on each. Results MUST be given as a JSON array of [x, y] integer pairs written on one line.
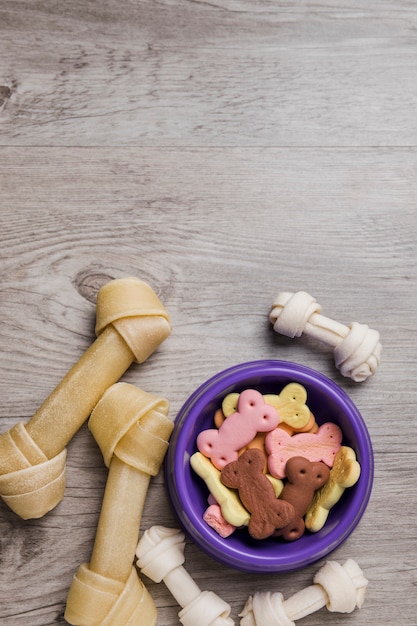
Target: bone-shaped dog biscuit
[[344, 473], [257, 494], [213, 516], [320, 446], [131, 323], [230, 403], [232, 509], [303, 480], [290, 404], [253, 416]]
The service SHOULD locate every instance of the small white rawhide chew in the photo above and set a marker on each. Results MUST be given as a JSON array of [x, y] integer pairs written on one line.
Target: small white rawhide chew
[[339, 588], [131, 323], [356, 347], [132, 430], [160, 555]]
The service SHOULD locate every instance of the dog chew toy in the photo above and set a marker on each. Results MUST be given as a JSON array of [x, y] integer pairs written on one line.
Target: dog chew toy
[[160, 556], [356, 348], [339, 588], [132, 430], [131, 322]]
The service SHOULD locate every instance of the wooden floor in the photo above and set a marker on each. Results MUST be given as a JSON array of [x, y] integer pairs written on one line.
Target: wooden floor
[[221, 151]]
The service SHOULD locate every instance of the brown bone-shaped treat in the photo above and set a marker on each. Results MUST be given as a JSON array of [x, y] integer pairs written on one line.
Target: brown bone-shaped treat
[[257, 494], [303, 479]]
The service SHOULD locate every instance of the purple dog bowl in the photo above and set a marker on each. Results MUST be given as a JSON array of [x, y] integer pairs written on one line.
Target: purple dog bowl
[[188, 493]]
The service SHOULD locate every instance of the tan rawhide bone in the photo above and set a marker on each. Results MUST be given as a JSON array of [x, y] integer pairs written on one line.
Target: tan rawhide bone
[[132, 430], [356, 348], [131, 323]]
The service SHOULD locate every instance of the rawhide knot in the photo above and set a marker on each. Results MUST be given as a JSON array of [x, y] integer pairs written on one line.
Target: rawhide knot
[[95, 600], [291, 312], [133, 425], [159, 551], [136, 312], [358, 355], [38, 484]]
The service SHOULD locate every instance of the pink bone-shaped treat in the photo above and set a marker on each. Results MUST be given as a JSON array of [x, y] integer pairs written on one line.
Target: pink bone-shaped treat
[[320, 446], [253, 416]]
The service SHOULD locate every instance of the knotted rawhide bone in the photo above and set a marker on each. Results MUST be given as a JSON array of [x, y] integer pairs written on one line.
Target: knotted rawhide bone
[[160, 555], [132, 430], [131, 323], [339, 588], [356, 347]]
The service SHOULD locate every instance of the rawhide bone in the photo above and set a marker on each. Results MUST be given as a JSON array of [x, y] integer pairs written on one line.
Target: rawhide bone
[[131, 322], [339, 588], [132, 430], [160, 554], [356, 348]]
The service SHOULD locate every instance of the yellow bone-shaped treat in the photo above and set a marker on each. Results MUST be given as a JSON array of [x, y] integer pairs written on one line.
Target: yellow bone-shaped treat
[[290, 404], [344, 473], [132, 430], [232, 509], [229, 404], [131, 323]]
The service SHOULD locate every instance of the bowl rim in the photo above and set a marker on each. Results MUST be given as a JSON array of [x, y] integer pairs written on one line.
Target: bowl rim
[[296, 554]]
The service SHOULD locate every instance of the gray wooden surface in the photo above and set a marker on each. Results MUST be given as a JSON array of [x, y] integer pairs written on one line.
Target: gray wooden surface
[[221, 151]]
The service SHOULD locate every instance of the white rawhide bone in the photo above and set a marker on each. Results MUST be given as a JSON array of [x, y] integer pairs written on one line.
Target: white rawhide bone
[[132, 430], [131, 322], [340, 588], [160, 554], [357, 350]]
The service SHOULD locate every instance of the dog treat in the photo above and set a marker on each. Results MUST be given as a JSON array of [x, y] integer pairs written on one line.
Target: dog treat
[[320, 446], [132, 430], [303, 480], [239, 491], [291, 405], [344, 473], [219, 418], [232, 509], [339, 588], [230, 404], [294, 414], [253, 416], [310, 427], [131, 323], [160, 556], [356, 348], [214, 518], [257, 494]]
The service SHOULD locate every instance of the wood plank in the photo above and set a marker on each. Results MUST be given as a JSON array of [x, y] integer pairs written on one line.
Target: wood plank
[[200, 74]]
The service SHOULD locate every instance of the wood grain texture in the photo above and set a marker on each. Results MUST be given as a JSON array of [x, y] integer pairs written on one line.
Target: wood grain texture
[[221, 152], [208, 73]]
